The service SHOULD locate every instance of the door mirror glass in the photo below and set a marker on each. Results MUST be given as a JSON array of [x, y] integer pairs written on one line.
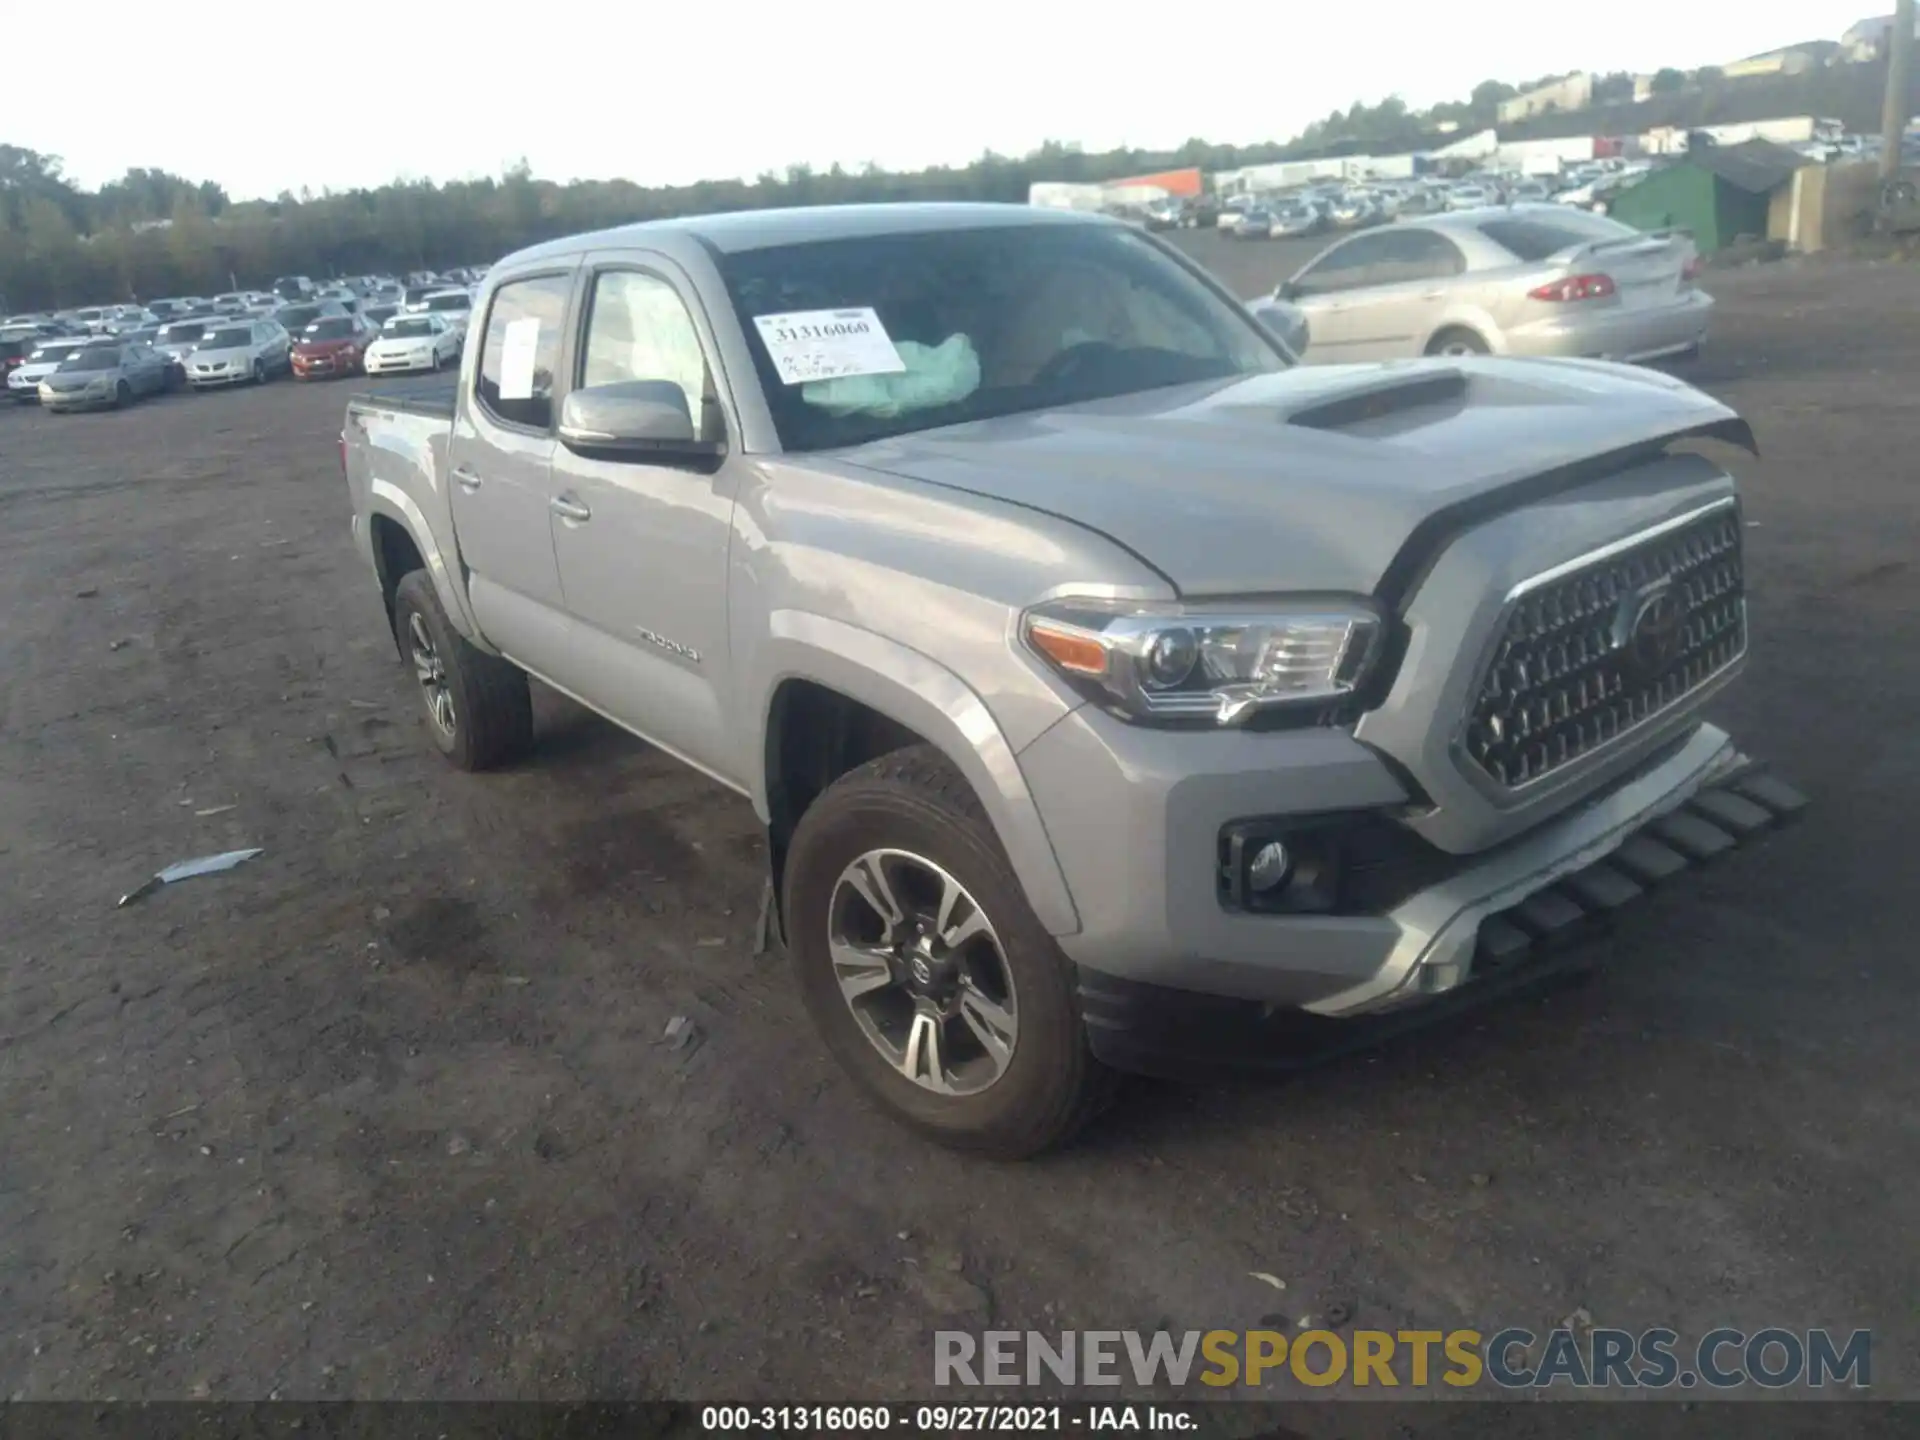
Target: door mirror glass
[[1286, 323], [632, 420], [1287, 291]]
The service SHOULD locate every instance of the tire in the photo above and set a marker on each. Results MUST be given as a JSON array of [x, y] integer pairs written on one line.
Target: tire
[[1457, 341], [122, 395], [914, 805], [480, 712], [259, 372]]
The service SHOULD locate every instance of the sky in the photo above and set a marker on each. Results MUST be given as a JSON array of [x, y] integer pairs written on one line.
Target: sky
[[359, 94]]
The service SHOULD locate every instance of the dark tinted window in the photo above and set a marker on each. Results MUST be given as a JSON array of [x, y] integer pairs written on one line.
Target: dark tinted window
[[985, 322], [229, 339], [442, 304], [1345, 267], [340, 329], [94, 358], [1535, 238], [298, 317], [14, 349], [521, 351]]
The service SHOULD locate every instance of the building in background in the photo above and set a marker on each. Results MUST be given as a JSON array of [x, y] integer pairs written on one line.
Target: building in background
[[1570, 92], [1718, 194]]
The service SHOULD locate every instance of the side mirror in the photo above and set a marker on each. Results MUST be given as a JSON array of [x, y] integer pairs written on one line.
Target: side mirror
[[637, 420], [1285, 323], [1286, 290]]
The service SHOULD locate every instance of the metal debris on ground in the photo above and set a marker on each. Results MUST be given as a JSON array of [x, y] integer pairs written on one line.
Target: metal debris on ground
[[1266, 1279], [86, 594], [188, 870], [681, 1032], [214, 810]]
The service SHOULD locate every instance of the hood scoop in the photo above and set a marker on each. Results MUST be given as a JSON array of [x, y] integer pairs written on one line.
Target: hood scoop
[[1382, 399]]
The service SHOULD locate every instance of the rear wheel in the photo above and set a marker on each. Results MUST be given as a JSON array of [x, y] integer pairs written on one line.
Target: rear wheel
[[122, 395], [260, 371], [478, 706], [925, 969], [1457, 341]]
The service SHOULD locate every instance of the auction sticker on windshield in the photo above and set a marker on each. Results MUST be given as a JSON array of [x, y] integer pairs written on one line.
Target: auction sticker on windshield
[[828, 344]]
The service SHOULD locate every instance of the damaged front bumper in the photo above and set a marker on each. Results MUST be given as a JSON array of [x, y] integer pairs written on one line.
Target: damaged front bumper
[[1500, 922]]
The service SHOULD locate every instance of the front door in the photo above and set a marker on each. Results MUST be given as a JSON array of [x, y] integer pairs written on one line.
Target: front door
[[1331, 292], [499, 466], [642, 547]]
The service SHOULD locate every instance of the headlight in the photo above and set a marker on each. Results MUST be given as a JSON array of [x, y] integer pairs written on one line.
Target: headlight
[[1213, 661]]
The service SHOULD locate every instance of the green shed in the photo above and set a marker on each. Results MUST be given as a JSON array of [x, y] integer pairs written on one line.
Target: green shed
[[1719, 193]]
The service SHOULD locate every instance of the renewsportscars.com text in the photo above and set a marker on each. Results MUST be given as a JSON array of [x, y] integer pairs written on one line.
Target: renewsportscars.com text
[[1512, 1359]]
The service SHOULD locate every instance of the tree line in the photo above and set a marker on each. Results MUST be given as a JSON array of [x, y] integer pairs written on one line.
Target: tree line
[[151, 233]]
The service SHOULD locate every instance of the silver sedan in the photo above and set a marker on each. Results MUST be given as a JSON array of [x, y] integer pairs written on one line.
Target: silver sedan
[[1512, 280]]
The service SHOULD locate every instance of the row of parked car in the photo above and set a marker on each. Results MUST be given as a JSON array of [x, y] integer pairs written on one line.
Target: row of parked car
[[105, 357], [1315, 209]]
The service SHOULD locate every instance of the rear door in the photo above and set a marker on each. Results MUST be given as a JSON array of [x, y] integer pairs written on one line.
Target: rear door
[[500, 461]]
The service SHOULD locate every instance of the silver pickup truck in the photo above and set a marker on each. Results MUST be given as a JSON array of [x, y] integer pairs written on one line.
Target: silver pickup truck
[[1115, 695]]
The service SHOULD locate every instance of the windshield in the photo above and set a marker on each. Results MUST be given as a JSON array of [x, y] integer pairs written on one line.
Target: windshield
[[985, 322], [330, 330], [379, 314], [410, 329], [228, 340], [298, 317], [95, 359], [52, 354], [416, 293], [182, 334], [443, 303], [1535, 237]]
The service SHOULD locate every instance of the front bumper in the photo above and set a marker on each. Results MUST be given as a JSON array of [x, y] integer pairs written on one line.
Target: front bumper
[[1136, 818], [317, 367], [399, 366], [1618, 334], [1502, 935], [76, 400], [201, 381]]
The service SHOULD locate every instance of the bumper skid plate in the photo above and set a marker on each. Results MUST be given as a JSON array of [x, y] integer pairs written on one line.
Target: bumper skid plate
[[1151, 1029]]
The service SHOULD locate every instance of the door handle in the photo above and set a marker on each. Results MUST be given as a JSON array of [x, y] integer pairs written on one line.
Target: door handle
[[568, 508], [466, 479]]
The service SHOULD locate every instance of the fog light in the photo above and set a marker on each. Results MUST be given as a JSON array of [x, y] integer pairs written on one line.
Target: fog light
[[1269, 868]]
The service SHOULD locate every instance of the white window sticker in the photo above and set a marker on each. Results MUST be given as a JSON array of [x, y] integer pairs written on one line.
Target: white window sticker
[[518, 349], [828, 344]]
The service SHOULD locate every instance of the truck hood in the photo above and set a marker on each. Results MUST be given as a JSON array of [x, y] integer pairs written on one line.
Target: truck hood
[[1312, 479]]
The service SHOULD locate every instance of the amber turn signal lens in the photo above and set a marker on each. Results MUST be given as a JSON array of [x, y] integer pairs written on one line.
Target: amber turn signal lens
[[1072, 652]]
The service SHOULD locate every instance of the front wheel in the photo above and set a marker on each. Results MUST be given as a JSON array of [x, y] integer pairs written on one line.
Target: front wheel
[[926, 971], [479, 709], [122, 395], [260, 372]]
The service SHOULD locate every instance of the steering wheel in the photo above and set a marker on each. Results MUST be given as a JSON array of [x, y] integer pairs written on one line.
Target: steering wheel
[[1075, 360]]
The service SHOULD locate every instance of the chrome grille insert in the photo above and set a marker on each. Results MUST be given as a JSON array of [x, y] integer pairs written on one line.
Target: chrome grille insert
[[1593, 649]]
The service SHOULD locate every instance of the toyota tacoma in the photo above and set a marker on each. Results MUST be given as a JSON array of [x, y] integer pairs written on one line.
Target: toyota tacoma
[[1115, 694]]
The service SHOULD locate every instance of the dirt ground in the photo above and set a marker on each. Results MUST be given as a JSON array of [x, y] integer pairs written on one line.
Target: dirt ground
[[388, 1112]]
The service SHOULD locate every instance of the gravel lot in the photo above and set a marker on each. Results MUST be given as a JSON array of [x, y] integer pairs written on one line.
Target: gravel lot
[[388, 1113]]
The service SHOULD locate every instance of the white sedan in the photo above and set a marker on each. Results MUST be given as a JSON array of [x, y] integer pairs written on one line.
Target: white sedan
[[412, 342], [239, 352]]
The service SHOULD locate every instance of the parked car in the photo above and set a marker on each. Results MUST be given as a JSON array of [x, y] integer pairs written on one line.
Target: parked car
[[295, 318], [180, 338], [377, 314], [1038, 804], [454, 306], [331, 346], [412, 342], [15, 347], [23, 380], [292, 287], [1472, 197], [240, 352], [1353, 210], [106, 375], [234, 302], [1255, 223], [1294, 219], [1515, 280]]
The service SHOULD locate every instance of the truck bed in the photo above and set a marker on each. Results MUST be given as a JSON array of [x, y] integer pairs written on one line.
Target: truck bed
[[430, 395]]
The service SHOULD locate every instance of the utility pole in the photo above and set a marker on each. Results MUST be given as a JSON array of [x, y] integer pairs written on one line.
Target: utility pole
[[1899, 106]]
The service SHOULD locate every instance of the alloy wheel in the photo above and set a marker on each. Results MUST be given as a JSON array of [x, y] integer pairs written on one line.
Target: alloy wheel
[[432, 673], [924, 972]]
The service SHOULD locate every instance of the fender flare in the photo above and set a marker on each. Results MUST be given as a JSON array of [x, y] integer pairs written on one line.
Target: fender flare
[[925, 696], [384, 498]]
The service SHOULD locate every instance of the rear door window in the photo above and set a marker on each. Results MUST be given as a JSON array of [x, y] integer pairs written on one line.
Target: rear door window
[[521, 351], [1344, 267]]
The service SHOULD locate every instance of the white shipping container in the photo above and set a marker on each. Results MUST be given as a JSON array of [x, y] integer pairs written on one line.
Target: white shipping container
[[1061, 195]]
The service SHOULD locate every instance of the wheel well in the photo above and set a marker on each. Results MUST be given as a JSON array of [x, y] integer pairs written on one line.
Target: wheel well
[[1434, 340], [814, 736], [394, 556]]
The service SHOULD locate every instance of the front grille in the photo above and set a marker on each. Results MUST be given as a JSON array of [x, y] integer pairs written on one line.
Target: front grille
[[1601, 648]]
